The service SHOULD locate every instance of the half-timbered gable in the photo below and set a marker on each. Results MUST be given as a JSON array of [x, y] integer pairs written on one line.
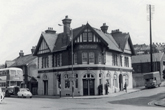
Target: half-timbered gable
[[43, 48]]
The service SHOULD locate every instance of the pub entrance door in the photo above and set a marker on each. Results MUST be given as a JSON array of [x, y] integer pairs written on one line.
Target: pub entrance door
[[88, 85]]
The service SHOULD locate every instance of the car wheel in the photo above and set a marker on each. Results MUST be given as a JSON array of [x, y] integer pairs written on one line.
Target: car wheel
[[31, 97], [22, 96]]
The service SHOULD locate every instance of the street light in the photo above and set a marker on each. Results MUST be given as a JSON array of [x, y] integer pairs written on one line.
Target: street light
[[71, 38]]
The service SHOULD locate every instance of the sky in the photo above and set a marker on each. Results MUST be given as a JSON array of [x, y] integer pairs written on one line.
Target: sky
[[23, 21]]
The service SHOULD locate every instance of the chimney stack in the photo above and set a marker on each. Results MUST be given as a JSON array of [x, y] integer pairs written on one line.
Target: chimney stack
[[33, 49], [66, 23], [50, 30], [104, 28], [21, 53]]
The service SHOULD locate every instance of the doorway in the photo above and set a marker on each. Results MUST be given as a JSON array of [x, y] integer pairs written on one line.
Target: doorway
[[120, 82], [88, 86], [45, 87]]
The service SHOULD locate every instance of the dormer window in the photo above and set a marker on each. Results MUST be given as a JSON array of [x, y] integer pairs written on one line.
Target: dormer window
[[84, 37], [87, 36]]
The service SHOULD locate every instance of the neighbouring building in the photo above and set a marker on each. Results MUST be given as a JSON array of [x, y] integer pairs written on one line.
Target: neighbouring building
[[28, 63], [145, 49], [142, 64], [100, 60]]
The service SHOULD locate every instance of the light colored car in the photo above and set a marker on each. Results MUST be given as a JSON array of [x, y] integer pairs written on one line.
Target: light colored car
[[24, 92], [1, 95]]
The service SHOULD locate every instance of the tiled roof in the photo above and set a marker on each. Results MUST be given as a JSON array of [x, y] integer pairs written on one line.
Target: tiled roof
[[23, 60], [50, 39], [121, 39], [109, 40], [146, 57], [114, 42], [59, 46]]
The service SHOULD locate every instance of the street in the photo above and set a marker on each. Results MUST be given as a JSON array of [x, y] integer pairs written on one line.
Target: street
[[137, 100]]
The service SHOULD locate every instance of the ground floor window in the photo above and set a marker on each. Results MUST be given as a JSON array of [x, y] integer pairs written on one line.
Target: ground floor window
[[67, 82], [115, 80], [76, 81], [126, 79]]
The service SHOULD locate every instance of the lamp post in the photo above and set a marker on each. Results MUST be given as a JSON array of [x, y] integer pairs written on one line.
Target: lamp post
[[71, 39]]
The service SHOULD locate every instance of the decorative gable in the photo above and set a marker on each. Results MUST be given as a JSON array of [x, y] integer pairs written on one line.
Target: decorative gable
[[87, 35], [127, 48], [43, 48]]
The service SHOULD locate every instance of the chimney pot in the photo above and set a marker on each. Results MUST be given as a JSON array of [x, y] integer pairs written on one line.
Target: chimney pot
[[104, 28], [50, 30], [33, 49], [21, 53]]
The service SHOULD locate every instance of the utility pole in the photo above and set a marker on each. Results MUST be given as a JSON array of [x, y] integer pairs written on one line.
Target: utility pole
[[150, 18]]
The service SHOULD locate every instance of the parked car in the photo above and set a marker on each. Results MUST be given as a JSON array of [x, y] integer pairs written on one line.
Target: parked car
[[1, 95], [24, 92]]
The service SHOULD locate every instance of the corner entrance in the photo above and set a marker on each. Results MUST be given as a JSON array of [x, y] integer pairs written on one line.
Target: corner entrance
[[88, 84]]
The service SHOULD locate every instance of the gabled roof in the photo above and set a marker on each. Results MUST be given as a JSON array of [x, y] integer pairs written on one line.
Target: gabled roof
[[23, 60], [122, 39], [115, 42], [50, 39], [58, 43], [146, 58], [109, 40]]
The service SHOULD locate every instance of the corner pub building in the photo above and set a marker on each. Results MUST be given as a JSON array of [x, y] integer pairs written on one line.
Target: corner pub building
[[100, 60]]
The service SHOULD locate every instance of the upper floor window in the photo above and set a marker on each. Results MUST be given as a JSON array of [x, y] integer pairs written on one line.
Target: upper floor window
[[90, 37], [54, 61], [99, 58], [84, 37], [88, 58], [126, 61], [59, 60], [114, 60], [45, 62], [91, 58], [75, 58], [121, 61], [87, 36], [84, 58]]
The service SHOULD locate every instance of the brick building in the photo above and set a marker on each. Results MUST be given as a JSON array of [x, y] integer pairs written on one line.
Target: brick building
[[99, 58]]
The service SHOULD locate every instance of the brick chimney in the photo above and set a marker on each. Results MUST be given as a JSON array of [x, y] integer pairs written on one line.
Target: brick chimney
[[21, 53], [33, 49], [104, 28], [66, 23], [50, 30]]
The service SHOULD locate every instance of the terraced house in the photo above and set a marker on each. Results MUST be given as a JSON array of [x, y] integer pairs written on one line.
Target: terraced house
[[99, 59]]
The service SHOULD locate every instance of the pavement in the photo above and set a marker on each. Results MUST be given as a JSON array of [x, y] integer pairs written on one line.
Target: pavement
[[93, 97], [160, 102]]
